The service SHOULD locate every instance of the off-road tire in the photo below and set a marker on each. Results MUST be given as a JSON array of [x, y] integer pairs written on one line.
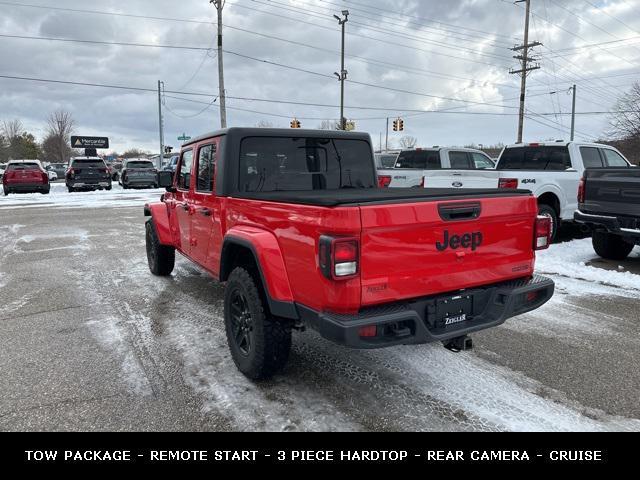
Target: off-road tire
[[548, 211], [161, 258], [270, 339], [610, 246]]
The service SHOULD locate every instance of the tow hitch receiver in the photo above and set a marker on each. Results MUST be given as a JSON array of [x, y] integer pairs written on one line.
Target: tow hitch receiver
[[459, 344]]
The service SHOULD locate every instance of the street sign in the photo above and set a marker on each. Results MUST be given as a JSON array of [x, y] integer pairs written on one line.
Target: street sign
[[89, 142], [184, 138]]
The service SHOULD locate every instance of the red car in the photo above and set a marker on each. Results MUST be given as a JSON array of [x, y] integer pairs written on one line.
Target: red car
[[25, 176], [295, 225]]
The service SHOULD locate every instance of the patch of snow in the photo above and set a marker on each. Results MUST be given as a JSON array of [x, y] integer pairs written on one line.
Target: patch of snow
[[280, 406], [59, 197], [107, 331], [570, 260]]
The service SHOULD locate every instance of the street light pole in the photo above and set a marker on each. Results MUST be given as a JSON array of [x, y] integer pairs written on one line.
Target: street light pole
[[342, 76]]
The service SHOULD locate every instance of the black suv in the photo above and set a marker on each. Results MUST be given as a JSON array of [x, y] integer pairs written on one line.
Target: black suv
[[88, 173]]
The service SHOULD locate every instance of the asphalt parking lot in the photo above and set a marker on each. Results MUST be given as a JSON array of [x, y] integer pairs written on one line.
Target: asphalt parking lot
[[90, 340]]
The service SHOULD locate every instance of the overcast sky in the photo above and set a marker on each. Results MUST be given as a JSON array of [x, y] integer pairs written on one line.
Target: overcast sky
[[457, 49]]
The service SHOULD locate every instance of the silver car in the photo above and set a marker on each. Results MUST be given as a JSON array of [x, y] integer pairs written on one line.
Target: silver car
[[138, 173]]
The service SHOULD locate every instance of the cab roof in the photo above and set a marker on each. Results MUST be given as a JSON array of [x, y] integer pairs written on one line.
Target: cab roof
[[279, 132]]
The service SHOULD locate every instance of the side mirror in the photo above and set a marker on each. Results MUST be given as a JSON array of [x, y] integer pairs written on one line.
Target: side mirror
[[165, 180]]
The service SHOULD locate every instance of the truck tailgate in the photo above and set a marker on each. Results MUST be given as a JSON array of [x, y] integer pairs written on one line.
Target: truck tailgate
[[461, 179], [613, 191], [411, 250]]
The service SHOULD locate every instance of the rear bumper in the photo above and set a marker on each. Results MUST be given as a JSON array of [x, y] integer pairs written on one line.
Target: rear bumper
[[27, 187], [88, 184], [418, 321], [142, 182], [630, 228]]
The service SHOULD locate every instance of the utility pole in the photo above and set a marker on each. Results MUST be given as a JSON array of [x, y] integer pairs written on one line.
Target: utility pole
[[342, 76], [160, 124], [573, 113], [525, 68], [386, 144], [219, 4]]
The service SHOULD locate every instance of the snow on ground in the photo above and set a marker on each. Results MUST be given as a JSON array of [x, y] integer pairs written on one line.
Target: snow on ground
[[570, 260], [59, 197]]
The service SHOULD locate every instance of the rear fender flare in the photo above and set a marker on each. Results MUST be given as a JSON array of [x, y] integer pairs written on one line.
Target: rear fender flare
[[269, 260], [160, 216]]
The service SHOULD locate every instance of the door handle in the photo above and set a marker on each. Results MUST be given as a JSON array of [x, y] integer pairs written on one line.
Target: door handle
[[205, 211]]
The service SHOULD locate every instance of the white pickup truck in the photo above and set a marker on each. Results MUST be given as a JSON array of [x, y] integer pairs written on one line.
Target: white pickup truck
[[412, 166], [552, 171]]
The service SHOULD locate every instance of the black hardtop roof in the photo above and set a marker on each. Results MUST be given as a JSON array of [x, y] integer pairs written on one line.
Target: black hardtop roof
[[280, 132]]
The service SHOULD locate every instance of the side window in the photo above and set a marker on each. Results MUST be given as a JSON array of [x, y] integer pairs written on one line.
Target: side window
[[613, 158], [481, 162], [184, 175], [460, 160], [591, 157], [206, 168]]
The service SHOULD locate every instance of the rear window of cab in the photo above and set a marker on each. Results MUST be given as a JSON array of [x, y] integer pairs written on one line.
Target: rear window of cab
[[535, 158], [88, 164]]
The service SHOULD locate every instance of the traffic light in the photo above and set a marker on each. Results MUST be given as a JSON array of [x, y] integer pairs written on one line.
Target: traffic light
[[395, 125], [295, 123], [168, 149], [401, 125]]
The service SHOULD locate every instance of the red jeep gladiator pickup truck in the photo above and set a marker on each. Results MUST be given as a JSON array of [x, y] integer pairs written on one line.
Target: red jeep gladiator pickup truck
[[293, 222]]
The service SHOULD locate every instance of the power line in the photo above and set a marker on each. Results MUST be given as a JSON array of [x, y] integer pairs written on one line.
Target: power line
[[260, 60], [412, 70], [353, 34], [153, 90], [326, 16]]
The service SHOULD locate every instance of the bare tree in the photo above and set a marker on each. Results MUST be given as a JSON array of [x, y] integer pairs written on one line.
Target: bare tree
[[408, 141], [56, 145], [264, 124], [625, 121], [11, 129]]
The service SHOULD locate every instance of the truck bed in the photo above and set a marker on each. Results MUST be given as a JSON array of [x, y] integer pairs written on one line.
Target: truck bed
[[346, 197]]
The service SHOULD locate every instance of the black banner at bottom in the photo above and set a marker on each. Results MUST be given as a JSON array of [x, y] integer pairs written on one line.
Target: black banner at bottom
[[312, 450]]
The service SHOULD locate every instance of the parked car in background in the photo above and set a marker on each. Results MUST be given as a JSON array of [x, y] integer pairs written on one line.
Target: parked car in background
[[2, 168], [551, 170], [114, 170], [609, 203], [138, 173], [52, 175], [25, 176], [87, 173], [59, 168], [412, 166]]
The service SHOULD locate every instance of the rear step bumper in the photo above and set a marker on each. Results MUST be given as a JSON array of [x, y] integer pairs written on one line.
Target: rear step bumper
[[424, 320], [611, 224]]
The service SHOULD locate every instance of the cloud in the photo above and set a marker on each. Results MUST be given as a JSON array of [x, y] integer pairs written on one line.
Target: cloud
[[457, 49]]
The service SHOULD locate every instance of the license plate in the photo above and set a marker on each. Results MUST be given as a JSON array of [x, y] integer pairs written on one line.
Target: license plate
[[454, 310]]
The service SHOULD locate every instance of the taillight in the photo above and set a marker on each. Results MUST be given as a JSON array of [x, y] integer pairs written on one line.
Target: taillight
[[581, 190], [510, 183], [338, 257], [384, 181], [45, 177], [543, 232], [70, 171]]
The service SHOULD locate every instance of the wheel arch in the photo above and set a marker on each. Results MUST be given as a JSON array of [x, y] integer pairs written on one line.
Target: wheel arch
[[260, 249], [160, 218]]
